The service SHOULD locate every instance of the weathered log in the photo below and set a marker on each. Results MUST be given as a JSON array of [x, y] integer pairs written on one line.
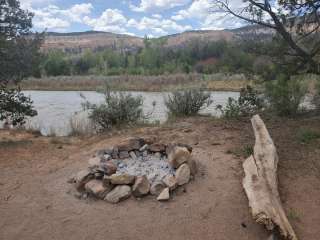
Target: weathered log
[[261, 185]]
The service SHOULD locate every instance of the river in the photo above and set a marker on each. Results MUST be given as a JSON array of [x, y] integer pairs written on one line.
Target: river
[[56, 108]]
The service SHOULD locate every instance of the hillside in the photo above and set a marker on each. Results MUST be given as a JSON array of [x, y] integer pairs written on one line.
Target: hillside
[[78, 41]]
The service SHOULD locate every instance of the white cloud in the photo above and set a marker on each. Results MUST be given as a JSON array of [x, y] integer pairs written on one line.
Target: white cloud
[[157, 26], [111, 20], [198, 9], [52, 23], [202, 10], [28, 4], [158, 16], [77, 11], [53, 17], [157, 5]]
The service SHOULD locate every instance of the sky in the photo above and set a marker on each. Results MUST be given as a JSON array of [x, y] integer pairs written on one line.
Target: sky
[[134, 17]]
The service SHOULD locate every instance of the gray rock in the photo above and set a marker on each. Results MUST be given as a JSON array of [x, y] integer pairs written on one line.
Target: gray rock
[[98, 175], [157, 155], [183, 174], [138, 154], [106, 157], [129, 144], [115, 153], [170, 181], [109, 168], [178, 156], [164, 195], [144, 148], [121, 179], [133, 155], [156, 188], [97, 188], [108, 151], [123, 154], [141, 186], [157, 147], [118, 194], [82, 178], [94, 163]]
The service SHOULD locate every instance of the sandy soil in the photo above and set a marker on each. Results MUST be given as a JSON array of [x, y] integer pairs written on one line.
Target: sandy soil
[[35, 199]]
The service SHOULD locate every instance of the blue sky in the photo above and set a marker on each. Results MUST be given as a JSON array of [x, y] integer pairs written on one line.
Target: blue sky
[[135, 17]]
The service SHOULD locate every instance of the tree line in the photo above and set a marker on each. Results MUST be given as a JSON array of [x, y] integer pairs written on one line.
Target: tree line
[[155, 59]]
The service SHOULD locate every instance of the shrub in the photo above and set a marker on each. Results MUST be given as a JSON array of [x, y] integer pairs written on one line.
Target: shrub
[[285, 94], [316, 97], [248, 104], [15, 107], [187, 103], [118, 109]]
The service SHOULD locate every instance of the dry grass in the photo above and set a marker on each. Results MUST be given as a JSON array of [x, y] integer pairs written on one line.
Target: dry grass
[[138, 83]]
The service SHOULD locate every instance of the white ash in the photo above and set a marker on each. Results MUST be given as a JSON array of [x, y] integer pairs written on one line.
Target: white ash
[[155, 167]]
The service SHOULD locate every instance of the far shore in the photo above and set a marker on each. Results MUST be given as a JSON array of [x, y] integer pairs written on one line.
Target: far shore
[[161, 83]]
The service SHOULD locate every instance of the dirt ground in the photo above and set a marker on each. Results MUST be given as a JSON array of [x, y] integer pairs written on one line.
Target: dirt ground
[[36, 203]]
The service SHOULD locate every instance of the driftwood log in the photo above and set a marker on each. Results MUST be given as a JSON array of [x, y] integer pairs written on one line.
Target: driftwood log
[[261, 185]]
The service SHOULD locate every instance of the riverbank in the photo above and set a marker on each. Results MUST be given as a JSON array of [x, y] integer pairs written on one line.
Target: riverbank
[[161, 83], [35, 169]]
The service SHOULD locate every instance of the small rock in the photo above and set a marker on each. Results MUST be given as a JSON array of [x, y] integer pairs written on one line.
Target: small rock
[[97, 188], [118, 194], [144, 148], [164, 195], [178, 156], [145, 154], [157, 155], [121, 165], [170, 181], [156, 188], [82, 178], [106, 157], [109, 168], [152, 176], [98, 175], [141, 186], [108, 151], [94, 163], [171, 147], [183, 174], [133, 155], [130, 144], [157, 147], [121, 179], [138, 154], [123, 154], [115, 153]]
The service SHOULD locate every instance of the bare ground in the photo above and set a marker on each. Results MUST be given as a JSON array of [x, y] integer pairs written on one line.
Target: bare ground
[[35, 199]]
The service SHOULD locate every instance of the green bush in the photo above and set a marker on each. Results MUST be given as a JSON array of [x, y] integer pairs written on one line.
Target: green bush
[[248, 104], [15, 107], [118, 109], [187, 103], [316, 97], [285, 94]]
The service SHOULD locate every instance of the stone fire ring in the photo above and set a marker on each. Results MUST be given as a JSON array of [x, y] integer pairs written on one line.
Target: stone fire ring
[[138, 167]]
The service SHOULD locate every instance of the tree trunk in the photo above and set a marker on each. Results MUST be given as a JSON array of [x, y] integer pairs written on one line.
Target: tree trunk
[[261, 185]]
